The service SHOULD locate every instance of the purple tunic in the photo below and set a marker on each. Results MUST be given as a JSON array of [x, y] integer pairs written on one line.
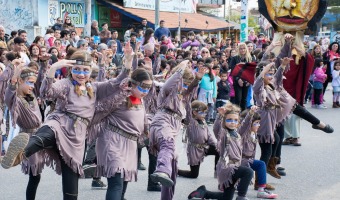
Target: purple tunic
[[249, 141], [4, 79], [28, 117], [71, 134], [198, 134], [116, 153], [230, 149], [166, 126], [267, 98]]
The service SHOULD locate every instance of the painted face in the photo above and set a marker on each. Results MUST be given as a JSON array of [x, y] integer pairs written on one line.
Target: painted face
[[291, 15], [268, 77], [255, 126], [81, 73], [200, 114], [27, 85], [231, 121], [139, 91]]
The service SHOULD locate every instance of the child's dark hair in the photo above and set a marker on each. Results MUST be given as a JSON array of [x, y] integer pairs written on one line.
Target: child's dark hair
[[27, 72], [10, 56], [211, 75], [198, 106], [317, 63], [256, 116], [223, 72], [94, 73], [140, 62], [33, 65]]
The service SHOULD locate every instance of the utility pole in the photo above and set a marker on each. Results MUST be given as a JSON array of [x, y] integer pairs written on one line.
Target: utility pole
[[87, 28], [156, 14], [244, 21], [229, 16], [179, 19]]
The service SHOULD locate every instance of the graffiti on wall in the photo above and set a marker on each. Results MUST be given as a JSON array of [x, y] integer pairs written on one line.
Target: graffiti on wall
[[53, 11], [16, 14]]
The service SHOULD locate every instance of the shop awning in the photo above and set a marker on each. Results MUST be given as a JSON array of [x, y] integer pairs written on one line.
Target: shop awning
[[189, 21]]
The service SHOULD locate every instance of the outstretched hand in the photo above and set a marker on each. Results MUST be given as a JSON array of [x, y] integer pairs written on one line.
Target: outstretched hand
[[124, 85], [200, 73], [128, 51], [285, 61]]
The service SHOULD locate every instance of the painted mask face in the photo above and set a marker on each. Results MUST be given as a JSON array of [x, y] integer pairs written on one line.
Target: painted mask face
[[292, 15]]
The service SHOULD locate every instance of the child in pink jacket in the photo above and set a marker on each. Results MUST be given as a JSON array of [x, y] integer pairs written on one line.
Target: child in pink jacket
[[319, 78]]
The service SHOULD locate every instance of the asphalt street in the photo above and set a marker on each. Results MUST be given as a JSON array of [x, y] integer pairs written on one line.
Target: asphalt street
[[312, 171]]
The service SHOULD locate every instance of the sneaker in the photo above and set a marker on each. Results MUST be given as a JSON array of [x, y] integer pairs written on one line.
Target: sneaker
[[98, 184], [162, 178], [89, 170], [14, 154], [266, 195], [198, 193], [141, 166], [321, 106]]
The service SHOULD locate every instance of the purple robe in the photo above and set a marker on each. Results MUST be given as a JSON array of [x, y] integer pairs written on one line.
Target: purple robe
[[28, 117]]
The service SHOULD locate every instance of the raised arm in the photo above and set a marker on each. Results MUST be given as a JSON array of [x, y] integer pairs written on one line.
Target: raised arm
[[105, 89], [278, 78], [50, 90], [246, 122]]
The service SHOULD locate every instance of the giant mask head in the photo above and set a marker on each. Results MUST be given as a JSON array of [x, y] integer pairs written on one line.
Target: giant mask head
[[293, 15]]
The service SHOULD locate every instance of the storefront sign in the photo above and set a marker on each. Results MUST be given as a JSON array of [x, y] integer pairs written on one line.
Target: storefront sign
[[187, 6], [115, 19], [74, 10]]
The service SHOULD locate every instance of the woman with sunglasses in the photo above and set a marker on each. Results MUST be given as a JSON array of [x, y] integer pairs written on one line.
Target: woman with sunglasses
[[68, 24], [64, 131]]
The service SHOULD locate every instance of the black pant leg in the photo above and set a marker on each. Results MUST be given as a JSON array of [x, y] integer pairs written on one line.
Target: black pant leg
[[213, 151], [281, 132], [245, 174], [317, 93], [238, 93], [115, 187], [69, 181], [91, 156], [266, 152], [306, 115], [43, 139], [32, 186], [276, 144], [193, 173]]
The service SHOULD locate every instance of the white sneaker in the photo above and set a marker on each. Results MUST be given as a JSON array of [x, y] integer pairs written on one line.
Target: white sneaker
[[321, 106], [266, 195]]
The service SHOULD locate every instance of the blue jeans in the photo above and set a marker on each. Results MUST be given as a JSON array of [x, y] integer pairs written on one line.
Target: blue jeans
[[260, 167]]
